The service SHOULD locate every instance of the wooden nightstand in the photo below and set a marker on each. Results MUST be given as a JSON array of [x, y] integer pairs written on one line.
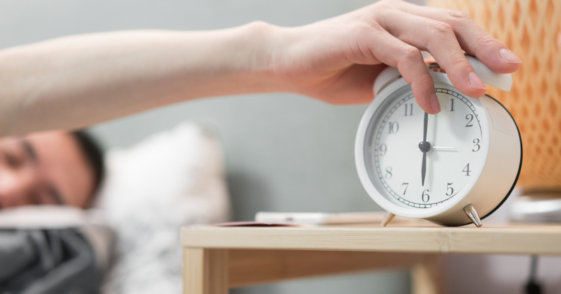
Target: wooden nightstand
[[218, 258]]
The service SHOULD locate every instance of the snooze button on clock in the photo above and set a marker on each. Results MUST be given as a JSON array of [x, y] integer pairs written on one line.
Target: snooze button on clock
[[452, 168]]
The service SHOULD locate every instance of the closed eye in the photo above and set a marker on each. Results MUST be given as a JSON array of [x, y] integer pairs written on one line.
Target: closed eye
[[29, 150]]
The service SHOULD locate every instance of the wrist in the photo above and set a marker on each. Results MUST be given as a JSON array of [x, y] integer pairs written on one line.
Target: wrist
[[264, 45]]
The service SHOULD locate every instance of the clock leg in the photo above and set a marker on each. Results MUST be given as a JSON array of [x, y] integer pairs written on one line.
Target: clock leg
[[472, 214], [387, 219]]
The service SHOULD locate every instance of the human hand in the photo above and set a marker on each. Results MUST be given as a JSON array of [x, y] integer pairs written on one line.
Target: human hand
[[338, 59]]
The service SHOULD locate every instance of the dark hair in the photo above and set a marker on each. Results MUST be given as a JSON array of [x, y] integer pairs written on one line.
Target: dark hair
[[94, 156]]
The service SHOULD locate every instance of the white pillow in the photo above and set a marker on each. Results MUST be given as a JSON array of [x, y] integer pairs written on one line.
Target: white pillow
[[171, 179]]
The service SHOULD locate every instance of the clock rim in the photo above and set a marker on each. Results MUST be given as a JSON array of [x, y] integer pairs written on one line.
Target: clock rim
[[505, 198], [373, 192]]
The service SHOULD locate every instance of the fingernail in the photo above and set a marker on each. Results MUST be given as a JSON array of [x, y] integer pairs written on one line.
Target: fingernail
[[509, 57], [476, 82], [434, 104]]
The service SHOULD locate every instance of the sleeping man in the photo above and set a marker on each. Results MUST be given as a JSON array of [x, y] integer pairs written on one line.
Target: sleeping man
[[57, 168], [48, 244], [75, 82], [53, 168]]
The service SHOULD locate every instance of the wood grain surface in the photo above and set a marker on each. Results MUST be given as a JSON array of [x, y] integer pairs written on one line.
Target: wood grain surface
[[205, 271], [253, 266], [420, 238]]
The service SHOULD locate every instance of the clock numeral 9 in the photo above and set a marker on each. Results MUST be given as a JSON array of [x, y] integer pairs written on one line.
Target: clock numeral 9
[[394, 127], [425, 197], [406, 186], [383, 149], [410, 108], [388, 174], [466, 170], [469, 117], [476, 147], [449, 189]]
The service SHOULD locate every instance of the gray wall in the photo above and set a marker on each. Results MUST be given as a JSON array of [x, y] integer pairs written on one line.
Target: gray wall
[[284, 152]]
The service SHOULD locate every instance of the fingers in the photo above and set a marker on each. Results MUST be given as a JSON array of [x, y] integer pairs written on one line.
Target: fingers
[[471, 37], [439, 39], [445, 34], [410, 64]]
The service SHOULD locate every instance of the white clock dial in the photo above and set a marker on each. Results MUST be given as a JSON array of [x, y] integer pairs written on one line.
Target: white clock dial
[[395, 148], [452, 168]]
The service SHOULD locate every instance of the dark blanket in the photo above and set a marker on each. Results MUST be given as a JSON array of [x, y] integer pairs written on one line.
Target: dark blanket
[[46, 261]]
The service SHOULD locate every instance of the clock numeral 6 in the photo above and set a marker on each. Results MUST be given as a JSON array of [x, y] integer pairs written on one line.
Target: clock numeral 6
[[383, 149], [476, 147], [389, 174], [469, 117], [466, 170], [449, 189], [425, 197], [394, 127]]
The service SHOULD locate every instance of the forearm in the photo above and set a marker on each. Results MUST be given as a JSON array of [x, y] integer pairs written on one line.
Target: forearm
[[79, 81]]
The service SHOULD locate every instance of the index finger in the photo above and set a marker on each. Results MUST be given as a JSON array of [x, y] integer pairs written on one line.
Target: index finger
[[472, 38]]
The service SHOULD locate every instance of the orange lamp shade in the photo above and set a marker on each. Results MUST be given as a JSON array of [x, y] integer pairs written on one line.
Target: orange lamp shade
[[532, 30]]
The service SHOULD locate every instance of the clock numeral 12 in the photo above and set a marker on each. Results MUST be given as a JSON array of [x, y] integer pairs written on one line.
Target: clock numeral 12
[[425, 197], [394, 127], [449, 189], [466, 170], [452, 105], [410, 108]]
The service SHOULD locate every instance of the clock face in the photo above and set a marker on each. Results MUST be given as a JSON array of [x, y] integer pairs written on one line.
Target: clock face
[[419, 171]]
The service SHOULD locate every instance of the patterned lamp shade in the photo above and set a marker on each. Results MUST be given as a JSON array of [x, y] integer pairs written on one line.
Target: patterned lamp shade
[[532, 30]]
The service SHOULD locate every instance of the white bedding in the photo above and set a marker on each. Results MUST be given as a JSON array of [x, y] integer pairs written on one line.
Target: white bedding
[[169, 180]]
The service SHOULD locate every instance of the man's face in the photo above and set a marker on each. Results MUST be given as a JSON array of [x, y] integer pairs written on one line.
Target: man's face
[[44, 168]]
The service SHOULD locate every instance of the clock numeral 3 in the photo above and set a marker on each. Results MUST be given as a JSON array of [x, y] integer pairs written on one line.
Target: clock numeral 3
[[449, 189], [394, 127], [469, 117], [425, 197], [383, 149], [466, 170], [410, 108], [476, 147], [388, 172], [406, 186]]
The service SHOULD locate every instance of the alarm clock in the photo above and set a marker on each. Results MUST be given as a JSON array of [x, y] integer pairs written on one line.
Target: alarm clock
[[449, 168]]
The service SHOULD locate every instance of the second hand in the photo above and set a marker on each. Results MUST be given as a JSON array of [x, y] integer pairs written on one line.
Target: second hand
[[443, 148]]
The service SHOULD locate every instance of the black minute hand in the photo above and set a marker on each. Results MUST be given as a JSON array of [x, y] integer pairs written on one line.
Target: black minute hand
[[425, 147]]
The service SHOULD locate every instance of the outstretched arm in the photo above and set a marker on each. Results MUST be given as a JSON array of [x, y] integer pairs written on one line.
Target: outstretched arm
[[79, 81]]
